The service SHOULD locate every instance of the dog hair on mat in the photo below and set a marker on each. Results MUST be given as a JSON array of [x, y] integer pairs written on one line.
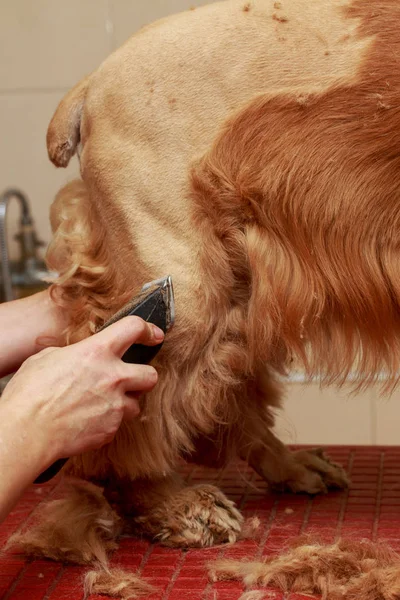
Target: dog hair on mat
[[117, 583], [253, 595], [79, 528], [345, 570]]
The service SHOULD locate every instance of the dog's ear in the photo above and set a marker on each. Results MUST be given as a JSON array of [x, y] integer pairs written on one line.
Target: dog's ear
[[63, 134]]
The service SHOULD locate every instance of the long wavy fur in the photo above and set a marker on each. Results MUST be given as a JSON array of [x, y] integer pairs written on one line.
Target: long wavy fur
[[88, 284], [198, 392], [301, 192]]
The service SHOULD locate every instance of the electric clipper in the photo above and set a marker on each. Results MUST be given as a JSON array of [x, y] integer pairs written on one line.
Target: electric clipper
[[154, 304]]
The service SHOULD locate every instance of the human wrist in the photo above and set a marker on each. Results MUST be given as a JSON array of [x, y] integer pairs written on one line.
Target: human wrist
[[23, 441], [29, 324], [53, 319], [23, 456]]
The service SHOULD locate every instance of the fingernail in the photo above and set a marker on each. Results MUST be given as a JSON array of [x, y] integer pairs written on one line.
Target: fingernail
[[158, 333], [153, 375]]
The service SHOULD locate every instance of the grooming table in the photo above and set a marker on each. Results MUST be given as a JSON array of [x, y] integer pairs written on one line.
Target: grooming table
[[370, 509]]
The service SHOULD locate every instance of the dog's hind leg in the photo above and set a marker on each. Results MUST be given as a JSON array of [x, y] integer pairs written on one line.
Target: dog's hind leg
[[307, 471], [176, 515]]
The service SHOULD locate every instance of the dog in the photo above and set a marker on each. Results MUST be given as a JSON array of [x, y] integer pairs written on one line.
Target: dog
[[249, 150]]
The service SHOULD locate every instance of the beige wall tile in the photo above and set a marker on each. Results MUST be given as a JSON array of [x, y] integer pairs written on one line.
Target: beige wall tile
[[51, 43], [23, 155], [129, 15], [312, 416], [387, 412]]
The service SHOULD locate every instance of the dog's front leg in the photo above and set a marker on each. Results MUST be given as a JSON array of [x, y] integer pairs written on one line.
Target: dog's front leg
[[304, 471], [307, 471], [177, 515]]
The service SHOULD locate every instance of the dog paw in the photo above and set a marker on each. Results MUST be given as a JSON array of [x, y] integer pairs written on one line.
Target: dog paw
[[195, 517], [313, 473]]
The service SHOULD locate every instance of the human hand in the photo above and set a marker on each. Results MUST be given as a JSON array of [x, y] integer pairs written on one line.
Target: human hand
[[73, 399]]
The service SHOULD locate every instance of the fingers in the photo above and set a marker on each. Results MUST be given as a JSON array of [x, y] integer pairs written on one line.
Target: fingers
[[139, 378], [41, 354], [130, 330], [131, 408]]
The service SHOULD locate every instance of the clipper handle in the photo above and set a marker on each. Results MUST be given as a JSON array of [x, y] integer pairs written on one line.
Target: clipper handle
[[51, 471]]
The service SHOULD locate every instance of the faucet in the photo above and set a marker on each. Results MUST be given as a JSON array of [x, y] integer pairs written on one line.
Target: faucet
[[29, 271]]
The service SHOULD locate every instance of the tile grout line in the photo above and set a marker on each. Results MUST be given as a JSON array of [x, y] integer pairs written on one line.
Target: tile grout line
[[145, 558], [54, 583], [143, 562], [264, 537], [175, 576], [378, 498], [246, 492], [373, 418], [306, 516], [16, 581], [343, 506], [208, 589]]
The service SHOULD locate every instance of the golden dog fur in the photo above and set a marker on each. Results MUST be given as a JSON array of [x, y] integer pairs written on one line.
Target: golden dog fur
[[345, 570], [249, 150]]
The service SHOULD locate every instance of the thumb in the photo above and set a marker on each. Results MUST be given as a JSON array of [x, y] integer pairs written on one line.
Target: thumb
[[119, 336]]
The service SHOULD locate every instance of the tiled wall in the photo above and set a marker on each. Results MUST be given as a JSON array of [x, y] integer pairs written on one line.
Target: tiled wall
[[330, 416], [46, 46]]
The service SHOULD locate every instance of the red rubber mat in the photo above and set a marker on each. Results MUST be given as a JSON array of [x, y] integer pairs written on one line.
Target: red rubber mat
[[370, 509]]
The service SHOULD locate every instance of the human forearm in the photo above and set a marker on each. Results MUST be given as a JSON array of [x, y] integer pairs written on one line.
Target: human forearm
[[27, 326], [23, 455]]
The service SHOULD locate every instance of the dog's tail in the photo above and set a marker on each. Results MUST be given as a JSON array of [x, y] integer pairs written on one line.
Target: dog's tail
[[63, 134]]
